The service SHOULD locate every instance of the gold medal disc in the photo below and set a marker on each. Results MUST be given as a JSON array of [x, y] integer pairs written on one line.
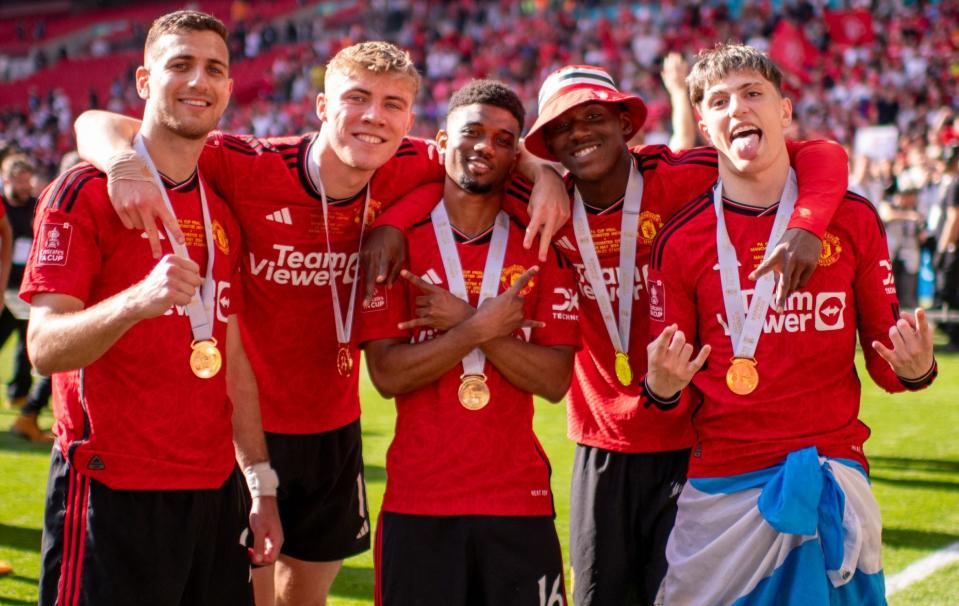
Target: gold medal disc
[[623, 372], [205, 359], [742, 377], [344, 361], [473, 392]]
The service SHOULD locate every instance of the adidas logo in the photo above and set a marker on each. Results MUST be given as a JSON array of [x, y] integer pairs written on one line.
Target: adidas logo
[[432, 277], [96, 464], [281, 216], [364, 530], [160, 235], [565, 243]]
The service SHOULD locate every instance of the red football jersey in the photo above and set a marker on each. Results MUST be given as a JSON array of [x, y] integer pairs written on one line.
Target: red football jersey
[[287, 323], [137, 418], [808, 392], [601, 412], [445, 459]]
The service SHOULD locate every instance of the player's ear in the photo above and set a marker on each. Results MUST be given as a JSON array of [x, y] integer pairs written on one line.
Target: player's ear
[[787, 112], [321, 107], [625, 123], [702, 127], [442, 140], [142, 79]]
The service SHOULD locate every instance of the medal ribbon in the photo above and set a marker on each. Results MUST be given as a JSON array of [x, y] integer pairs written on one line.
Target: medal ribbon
[[200, 309], [745, 327], [629, 232], [343, 329], [475, 360]]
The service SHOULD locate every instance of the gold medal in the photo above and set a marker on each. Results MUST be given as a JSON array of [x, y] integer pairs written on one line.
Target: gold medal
[[623, 372], [742, 377], [344, 361], [473, 392], [205, 359]]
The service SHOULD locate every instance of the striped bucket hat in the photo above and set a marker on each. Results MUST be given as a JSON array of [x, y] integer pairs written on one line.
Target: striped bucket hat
[[572, 86]]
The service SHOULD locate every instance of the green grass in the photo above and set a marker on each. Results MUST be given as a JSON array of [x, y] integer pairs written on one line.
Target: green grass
[[915, 463]]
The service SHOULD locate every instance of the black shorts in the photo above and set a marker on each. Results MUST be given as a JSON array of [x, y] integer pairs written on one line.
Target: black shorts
[[106, 547], [468, 561], [622, 508], [322, 493]]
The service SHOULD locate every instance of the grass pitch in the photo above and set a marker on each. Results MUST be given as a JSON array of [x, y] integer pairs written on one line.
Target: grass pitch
[[914, 453]]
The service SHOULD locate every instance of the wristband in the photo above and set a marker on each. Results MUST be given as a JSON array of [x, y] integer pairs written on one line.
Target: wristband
[[659, 402], [261, 480], [127, 166]]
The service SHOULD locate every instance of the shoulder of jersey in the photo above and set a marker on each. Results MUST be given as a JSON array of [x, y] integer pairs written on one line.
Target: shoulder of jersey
[[413, 146], [62, 194], [253, 146], [653, 157], [684, 216], [859, 211]]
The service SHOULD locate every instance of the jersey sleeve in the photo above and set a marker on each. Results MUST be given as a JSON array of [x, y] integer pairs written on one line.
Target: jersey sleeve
[[416, 163], [412, 208], [672, 300], [672, 179], [556, 304], [65, 256], [222, 160], [822, 174], [877, 306], [378, 317]]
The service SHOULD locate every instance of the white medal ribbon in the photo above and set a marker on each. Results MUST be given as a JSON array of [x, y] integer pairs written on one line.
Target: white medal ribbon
[[629, 232], [745, 327], [200, 309], [343, 329], [475, 360]]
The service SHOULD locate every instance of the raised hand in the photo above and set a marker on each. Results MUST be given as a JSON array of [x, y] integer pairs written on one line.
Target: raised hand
[[675, 70], [794, 260], [548, 210], [501, 315], [911, 355], [173, 281], [436, 308], [138, 201], [671, 366], [382, 256]]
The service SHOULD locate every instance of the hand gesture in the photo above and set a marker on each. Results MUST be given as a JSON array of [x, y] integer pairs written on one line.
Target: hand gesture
[[138, 201], [548, 211], [501, 315], [670, 368], [267, 531], [436, 308], [675, 70], [911, 355], [793, 260], [173, 281], [382, 256]]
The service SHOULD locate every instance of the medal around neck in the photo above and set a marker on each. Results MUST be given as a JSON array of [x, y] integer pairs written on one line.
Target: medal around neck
[[742, 378], [344, 361], [473, 392], [205, 358], [624, 374]]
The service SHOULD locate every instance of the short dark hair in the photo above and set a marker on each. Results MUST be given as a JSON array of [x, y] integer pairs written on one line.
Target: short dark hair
[[16, 163], [714, 64], [185, 20], [489, 92]]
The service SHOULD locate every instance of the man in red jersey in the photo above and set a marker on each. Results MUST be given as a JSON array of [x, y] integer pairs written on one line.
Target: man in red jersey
[[630, 461], [305, 204], [778, 508], [143, 504], [468, 512]]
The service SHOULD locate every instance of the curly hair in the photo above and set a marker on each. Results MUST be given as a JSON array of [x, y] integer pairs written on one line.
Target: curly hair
[[489, 92]]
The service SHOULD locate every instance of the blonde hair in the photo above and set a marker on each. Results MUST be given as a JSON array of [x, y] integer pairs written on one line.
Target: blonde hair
[[714, 64], [377, 57]]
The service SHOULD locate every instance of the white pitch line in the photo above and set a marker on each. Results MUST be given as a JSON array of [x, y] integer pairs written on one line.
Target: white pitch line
[[921, 569]]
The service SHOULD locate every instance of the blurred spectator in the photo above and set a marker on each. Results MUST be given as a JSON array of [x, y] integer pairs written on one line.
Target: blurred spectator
[[904, 225], [946, 227]]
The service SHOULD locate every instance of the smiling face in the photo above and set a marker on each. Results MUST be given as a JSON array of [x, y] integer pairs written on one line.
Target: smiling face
[[365, 115], [186, 82], [589, 139], [480, 146], [744, 117]]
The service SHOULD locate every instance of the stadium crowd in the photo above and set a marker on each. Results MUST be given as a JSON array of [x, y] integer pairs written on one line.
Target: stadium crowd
[[903, 151]]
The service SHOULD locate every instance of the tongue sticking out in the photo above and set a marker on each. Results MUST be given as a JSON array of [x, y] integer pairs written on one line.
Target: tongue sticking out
[[746, 147]]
